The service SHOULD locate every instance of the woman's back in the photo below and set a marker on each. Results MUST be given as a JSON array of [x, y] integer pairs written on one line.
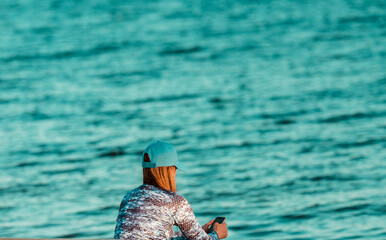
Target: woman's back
[[148, 212], [145, 211]]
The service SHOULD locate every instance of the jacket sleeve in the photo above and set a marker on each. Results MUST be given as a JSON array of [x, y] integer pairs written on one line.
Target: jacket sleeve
[[185, 219], [177, 235]]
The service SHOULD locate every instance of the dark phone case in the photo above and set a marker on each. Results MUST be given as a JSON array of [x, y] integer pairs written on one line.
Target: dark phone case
[[218, 220]]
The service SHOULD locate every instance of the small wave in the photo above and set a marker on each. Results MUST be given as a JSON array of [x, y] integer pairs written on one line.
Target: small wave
[[71, 235], [75, 160], [351, 207], [237, 145], [27, 164], [178, 51], [23, 188], [312, 206], [332, 37], [245, 144], [53, 151], [6, 101], [98, 211], [328, 93], [283, 115], [128, 74], [6, 208], [46, 225], [248, 227], [256, 233], [42, 30], [296, 216], [306, 149], [167, 98], [181, 15], [279, 23], [60, 171], [360, 143], [101, 49], [363, 19], [381, 81], [216, 100], [345, 117], [381, 209], [37, 115], [328, 178], [285, 122], [113, 153]]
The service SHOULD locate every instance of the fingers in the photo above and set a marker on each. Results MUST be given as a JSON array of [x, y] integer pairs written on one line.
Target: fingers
[[209, 223], [206, 225]]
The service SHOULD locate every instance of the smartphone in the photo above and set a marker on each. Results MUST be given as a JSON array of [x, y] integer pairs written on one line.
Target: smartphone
[[217, 220]]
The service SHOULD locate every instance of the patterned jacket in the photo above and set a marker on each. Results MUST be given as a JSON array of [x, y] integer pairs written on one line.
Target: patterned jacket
[[148, 212]]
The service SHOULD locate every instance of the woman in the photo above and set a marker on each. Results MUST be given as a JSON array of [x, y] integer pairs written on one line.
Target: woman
[[151, 210]]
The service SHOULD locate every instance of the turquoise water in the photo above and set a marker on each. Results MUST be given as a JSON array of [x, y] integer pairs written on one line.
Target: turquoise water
[[278, 107]]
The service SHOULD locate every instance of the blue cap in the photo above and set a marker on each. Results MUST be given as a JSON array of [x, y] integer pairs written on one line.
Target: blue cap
[[161, 154]]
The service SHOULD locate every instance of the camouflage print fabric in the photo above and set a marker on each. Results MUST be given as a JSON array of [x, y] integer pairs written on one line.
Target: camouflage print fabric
[[148, 212]]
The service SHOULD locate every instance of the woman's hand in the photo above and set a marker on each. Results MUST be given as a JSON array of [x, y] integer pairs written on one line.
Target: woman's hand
[[221, 229], [207, 225]]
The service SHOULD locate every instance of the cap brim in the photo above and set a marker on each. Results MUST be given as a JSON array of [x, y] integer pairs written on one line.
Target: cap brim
[[182, 167]]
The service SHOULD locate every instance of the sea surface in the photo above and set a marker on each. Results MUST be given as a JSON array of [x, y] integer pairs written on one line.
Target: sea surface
[[278, 108]]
